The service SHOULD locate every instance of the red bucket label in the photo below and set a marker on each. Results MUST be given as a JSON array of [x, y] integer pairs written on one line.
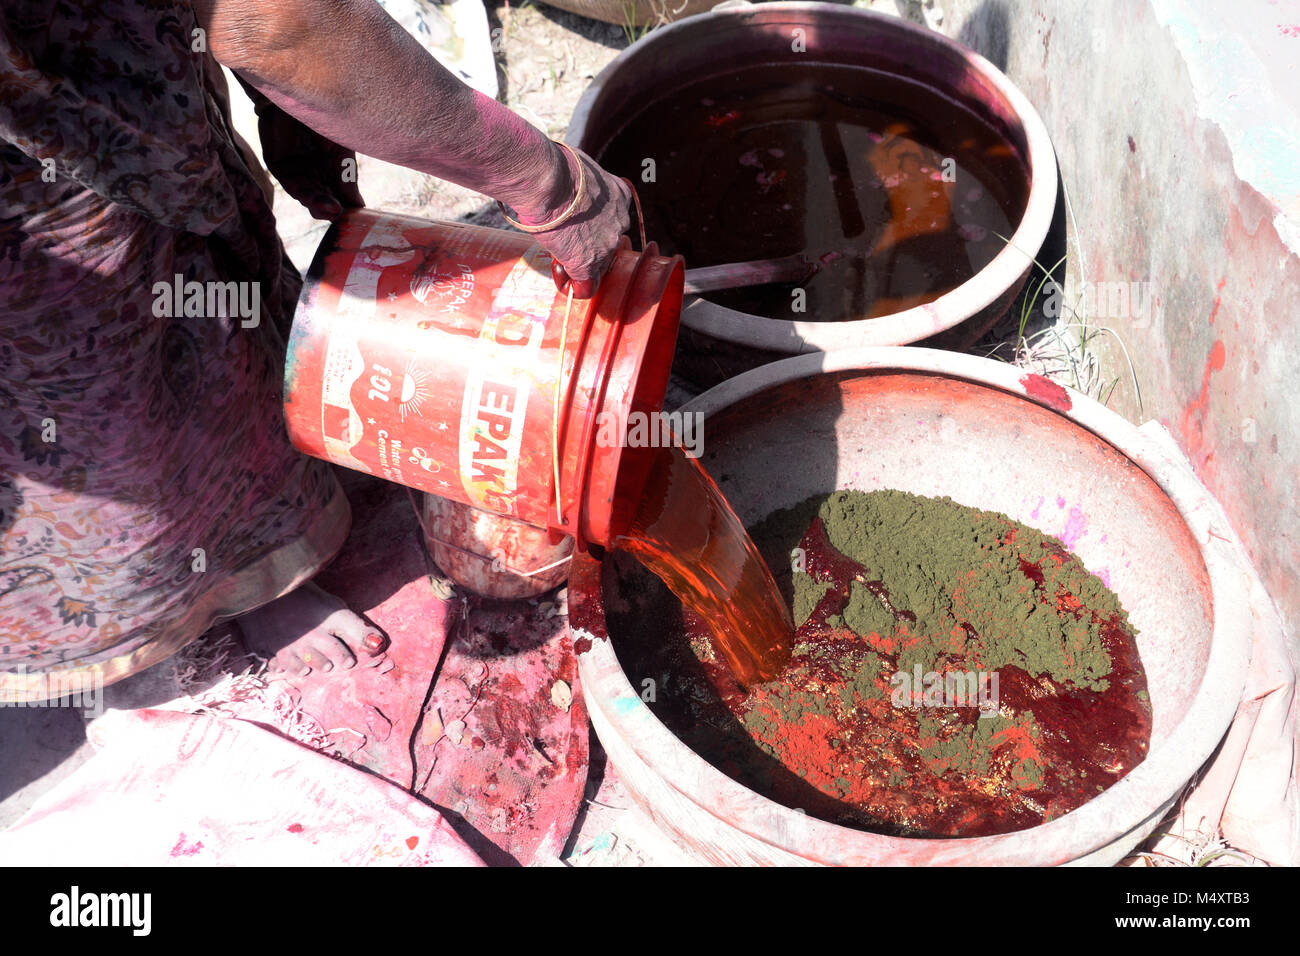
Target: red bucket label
[[436, 371]]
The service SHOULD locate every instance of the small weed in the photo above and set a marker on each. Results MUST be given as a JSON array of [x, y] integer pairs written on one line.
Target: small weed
[[661, 12], [1053, 354], [631, 30]]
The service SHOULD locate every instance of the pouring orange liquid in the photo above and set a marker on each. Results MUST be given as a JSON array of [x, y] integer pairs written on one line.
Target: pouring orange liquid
[[687, 534]]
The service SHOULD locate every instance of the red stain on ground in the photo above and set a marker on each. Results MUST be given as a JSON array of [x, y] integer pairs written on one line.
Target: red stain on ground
[[183, 849], [294, 828], [1193, 421], [1218, 300], [1047, 392], [412, 842], [509, 717]]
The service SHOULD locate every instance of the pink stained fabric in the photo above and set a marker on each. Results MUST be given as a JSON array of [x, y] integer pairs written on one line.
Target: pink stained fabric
[[147, 486], [174, 789]]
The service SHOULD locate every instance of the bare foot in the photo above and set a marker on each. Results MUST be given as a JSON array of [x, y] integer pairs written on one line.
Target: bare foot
[[310, 629]]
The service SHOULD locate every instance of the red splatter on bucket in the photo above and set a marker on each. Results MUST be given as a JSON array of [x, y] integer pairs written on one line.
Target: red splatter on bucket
[[438, 355]]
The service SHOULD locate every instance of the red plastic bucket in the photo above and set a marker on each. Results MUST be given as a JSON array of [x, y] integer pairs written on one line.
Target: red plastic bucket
[[438, 355]]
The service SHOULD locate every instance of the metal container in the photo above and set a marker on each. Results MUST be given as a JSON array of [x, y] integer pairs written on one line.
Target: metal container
[[496, 557], [718, 341]]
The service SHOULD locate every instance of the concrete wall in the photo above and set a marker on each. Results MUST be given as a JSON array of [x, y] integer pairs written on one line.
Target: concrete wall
[[1177, 125]]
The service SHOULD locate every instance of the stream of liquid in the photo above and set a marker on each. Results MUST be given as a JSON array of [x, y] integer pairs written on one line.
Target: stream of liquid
[[686, 533]]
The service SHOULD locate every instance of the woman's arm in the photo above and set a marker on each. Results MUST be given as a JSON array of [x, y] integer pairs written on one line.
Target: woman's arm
[[347, 70]]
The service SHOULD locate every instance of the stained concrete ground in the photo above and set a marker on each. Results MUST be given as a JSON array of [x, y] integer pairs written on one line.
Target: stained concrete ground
[[547, 60]]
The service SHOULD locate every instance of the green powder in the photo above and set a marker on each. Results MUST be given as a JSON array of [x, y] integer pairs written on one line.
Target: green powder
[[949, 565], [864, 614], [863, 673], [969, 748], [808, 593]]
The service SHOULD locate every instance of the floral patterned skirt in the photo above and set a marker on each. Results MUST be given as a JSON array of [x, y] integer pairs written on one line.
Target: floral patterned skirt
[[147, 485]]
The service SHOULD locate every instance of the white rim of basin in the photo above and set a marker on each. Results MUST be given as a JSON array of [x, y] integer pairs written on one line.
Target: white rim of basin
[[976, 294], [1134, 805]]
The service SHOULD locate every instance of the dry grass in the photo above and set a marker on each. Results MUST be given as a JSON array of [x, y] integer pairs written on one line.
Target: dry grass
[[1066, 348], [1173, 844], [1167, 849]]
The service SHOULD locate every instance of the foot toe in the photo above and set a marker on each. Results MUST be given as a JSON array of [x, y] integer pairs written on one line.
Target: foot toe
[[332, 652], [289, 662]]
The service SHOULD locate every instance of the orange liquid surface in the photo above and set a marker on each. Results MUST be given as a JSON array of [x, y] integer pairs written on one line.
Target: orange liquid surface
[[686, 533]]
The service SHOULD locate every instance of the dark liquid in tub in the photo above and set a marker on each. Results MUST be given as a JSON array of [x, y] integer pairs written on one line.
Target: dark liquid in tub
[[896, 192]]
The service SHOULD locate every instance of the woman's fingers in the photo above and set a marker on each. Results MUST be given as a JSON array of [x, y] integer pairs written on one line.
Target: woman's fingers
[[581, 288], [584, 245]]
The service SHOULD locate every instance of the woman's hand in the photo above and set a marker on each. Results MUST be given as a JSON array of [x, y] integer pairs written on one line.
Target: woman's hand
[[584, 244]]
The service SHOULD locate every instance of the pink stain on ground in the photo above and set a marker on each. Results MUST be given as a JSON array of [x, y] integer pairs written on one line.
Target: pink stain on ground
[[1034, 513], [1076, 526], [182, 849], [1047, 392], [294, 828], [1103, 574]]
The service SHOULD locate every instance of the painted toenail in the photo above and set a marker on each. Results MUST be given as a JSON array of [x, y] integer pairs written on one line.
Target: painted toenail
[[374, 644]]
